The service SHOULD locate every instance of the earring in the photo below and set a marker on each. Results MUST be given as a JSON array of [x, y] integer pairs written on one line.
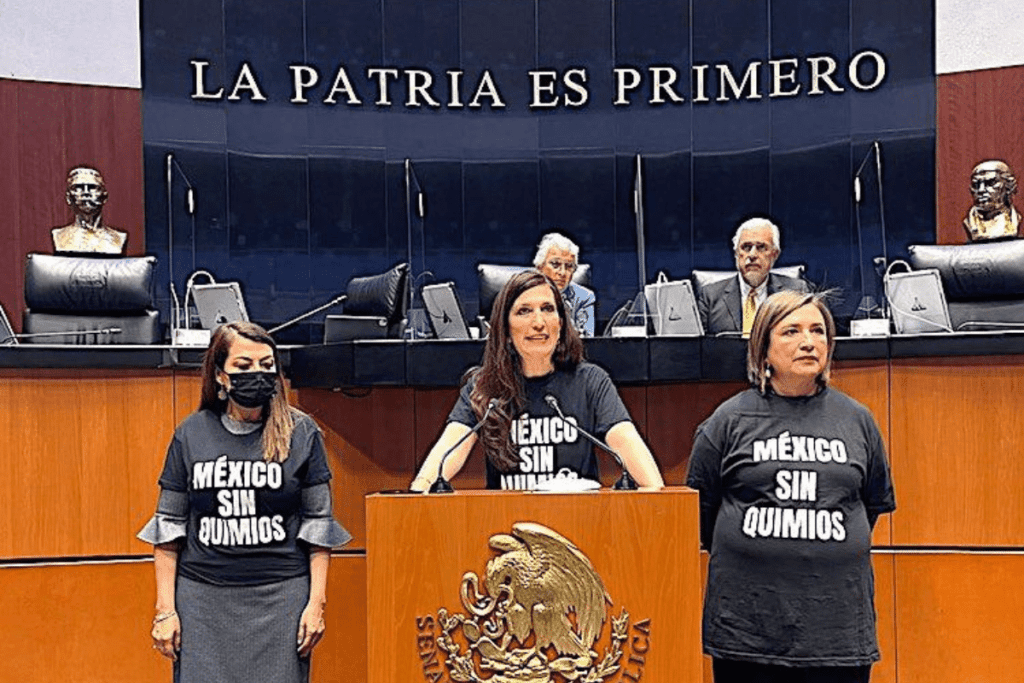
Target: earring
[[222, 394], [768, 371]]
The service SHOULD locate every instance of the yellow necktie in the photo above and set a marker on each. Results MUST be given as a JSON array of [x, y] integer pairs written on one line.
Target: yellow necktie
[[749, 310]]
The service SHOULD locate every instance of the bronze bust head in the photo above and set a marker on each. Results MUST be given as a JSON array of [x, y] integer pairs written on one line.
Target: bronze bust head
[[993, 216], [86, 194]]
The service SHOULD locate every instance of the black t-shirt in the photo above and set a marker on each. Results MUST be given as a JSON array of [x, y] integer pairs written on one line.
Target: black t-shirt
[[244, 513], [549, 447], [787, 487]]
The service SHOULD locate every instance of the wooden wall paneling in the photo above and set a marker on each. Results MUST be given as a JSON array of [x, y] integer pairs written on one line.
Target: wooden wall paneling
[[957, 436], [635, 400], [341, 655], [868, 383], [432, 408], [188, 386], [10, 169], [958, 617], [80, 622], [90, 622], [75, 445], [673, 413], [977, 118], [884, 565], [369, 439]]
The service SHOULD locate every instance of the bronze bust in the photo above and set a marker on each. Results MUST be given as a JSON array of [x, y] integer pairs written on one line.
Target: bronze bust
[[86, 195], [992, 216]]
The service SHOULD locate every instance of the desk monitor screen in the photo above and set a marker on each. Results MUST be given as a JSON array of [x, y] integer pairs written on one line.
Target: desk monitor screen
[[7, 337], [219, 303], [445, 313], [917, 302], [673, 308]]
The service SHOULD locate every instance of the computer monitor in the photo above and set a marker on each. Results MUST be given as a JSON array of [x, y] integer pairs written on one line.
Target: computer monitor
[[218, 303], [444, 311], [673, 308], [7, 336], [917, 302]]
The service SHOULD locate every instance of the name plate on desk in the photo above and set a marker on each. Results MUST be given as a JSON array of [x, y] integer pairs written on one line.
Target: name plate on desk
[[183, 337], [870, 327]]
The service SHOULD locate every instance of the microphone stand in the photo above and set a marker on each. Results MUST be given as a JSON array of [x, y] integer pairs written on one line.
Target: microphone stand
[[36, 335], [442, 485], [289, 323], [626, 481]]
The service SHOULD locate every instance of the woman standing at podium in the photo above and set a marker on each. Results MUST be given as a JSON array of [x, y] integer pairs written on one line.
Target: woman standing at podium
[[533, 356], [243, 528], [792, 476]]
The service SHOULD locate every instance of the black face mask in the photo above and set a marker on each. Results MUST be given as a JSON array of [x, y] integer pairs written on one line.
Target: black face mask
[[252, 389]]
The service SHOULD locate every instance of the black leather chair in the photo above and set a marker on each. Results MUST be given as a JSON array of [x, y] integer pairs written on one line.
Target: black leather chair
[[492, 278], [983, 282], [381, 296], [76, 295]]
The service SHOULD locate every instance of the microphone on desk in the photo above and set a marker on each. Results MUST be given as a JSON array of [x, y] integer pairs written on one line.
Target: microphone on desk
[[626, 481], [442, 485], [299, 318], [34, 335]]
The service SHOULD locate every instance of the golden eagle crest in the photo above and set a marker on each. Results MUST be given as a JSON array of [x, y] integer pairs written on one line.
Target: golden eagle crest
[[537, 618]]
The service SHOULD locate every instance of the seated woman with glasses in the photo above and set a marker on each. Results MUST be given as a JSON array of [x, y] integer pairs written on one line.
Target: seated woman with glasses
[[557, 258]]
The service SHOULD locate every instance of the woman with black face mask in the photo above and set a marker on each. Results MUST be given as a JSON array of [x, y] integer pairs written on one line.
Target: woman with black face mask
[[243, 528]]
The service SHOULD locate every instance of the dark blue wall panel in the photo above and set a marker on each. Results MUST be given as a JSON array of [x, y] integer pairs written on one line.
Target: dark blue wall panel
[[296, 198]]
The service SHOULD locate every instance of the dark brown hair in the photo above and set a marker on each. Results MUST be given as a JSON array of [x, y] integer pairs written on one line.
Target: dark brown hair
[[278, 422], [771, 313], [500, 375]]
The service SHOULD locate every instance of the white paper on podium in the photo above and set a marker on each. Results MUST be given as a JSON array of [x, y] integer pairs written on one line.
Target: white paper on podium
[[567, 485]]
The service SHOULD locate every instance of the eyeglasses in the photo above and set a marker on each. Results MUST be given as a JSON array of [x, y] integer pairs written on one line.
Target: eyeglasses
[[759, 247], [567, 266]]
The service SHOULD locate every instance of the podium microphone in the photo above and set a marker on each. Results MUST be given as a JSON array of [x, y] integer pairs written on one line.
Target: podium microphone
[[626, 481], [442, 485]]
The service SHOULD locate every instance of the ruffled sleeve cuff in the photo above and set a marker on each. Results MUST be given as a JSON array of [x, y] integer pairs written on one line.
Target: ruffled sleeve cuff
[[162, 529], [169, 522], [324, 532], [318, 524]]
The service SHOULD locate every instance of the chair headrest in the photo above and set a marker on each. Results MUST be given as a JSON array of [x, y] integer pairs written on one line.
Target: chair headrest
[[82, 284], [384, 295], [985, 270]]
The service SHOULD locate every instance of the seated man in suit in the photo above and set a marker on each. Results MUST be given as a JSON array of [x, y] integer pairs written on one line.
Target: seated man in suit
[[730, 304], [557, 258]]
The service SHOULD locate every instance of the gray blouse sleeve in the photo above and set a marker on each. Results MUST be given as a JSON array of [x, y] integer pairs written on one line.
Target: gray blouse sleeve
[[168, 524], [319, 527]]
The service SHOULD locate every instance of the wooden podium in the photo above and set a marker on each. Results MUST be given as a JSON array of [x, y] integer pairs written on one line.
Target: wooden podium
[[487, 586]]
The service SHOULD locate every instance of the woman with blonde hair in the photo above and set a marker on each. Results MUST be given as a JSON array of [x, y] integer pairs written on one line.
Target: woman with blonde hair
[[243, 528], [792, 476]]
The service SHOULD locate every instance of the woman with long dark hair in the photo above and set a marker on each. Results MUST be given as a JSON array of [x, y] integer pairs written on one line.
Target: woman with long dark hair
[[243, 528], [792, 476], [534, 352]]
